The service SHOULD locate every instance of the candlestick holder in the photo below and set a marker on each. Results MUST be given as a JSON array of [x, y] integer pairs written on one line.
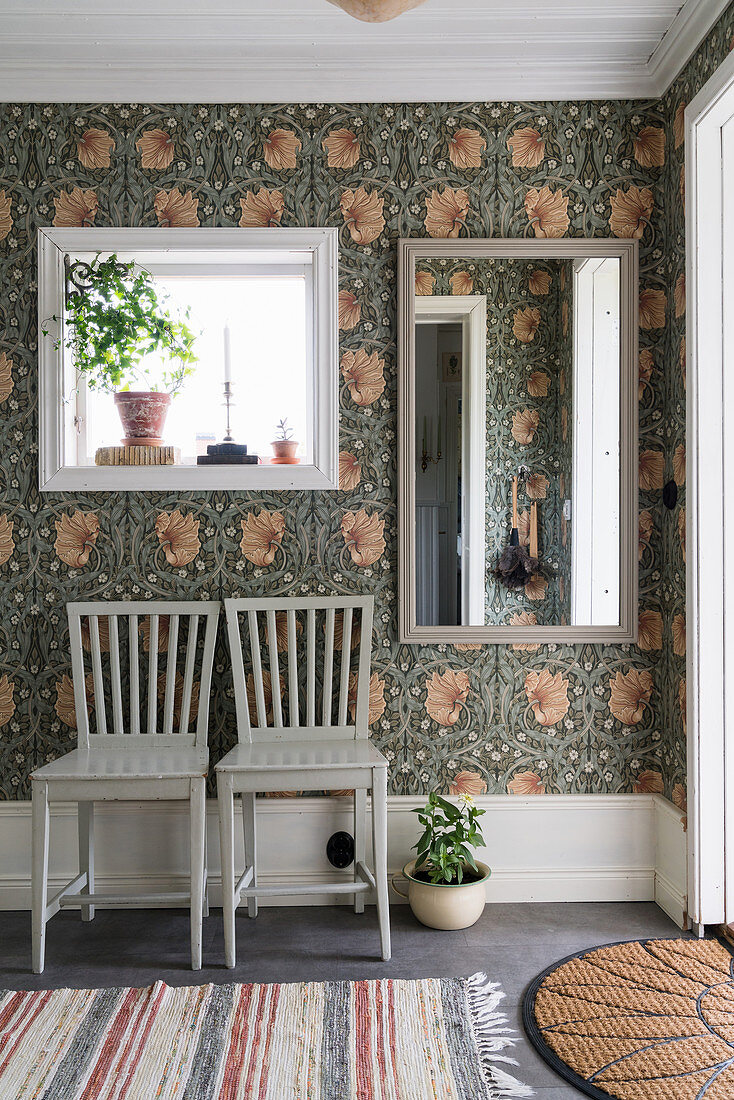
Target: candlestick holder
[[227, 453]]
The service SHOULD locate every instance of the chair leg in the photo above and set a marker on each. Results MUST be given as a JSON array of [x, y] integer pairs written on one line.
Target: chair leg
[[379, 847], [85, 825], [225, 801], [205, 898], [360, 836], [249, 825], [198, 840], [39, 874]]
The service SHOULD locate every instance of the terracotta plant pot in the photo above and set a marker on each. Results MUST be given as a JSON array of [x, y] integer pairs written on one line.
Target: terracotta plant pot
[[284, 451], [143, 415], [445, 906]]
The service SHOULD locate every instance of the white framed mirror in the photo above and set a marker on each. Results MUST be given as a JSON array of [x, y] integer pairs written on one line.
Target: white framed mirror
[[518, 441]]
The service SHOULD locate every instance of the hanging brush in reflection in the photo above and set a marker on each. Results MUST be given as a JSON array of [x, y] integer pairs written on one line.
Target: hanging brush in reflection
[[516, 566]]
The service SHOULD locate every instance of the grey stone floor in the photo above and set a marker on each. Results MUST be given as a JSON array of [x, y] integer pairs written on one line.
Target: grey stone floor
[[511, 943]]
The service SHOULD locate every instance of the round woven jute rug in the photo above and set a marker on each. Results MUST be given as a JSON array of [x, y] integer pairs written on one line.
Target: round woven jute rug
[[644, 1020]]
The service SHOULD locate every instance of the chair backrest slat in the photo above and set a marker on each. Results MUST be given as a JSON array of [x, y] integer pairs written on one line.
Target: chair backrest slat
[[132, 642], [126, 685], [308, 630], [118, 723]]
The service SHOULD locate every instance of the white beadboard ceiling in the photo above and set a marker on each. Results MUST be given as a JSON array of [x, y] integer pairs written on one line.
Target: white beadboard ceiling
[[310, 51]]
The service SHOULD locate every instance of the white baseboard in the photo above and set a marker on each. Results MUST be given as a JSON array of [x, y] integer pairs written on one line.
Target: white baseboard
[[548, 848]]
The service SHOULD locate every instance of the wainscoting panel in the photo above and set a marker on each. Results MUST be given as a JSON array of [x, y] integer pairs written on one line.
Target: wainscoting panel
[[544, 848]]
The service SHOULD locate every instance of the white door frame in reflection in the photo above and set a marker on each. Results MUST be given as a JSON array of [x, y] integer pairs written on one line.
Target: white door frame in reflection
[[412, 249]]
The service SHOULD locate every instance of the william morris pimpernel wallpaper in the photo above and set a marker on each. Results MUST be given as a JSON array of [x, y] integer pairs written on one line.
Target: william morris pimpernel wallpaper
[[524, 720]]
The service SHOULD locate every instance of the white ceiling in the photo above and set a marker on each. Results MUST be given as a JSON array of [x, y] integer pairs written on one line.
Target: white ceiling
[[310, 51]]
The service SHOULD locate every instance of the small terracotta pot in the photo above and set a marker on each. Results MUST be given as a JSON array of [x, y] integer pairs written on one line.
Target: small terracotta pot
[[445, 906], [284, 451], [143, 415]]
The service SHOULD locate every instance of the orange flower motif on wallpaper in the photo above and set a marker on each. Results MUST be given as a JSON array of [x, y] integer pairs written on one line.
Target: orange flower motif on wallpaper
[[446, 212], [679, 464], [648, 782], [339, 633], [363, 536], [650, 630], [649, 147], [678, 630], [679, 125], [527, 147], [364, 375], [176, 209], [679, 295], [103, 631], [94, 147], [526, 323], [7, 546], [178, 534], [349, 310], [281, 630], [267, 697], [446, 694], [7, 703], [64, 705], [547, 696], [682, 531], [6, 220], [525, 425], [646, 365], [261, 210], [547, 212], [280, 149], [536, 588], [342, 147], [470, 783], [75, 208], [683, 701], [163, 629], [524, 618], [564, 423], [629, 695], [465, 148], [178, 686], [350, 471], [6, 377], [644, 532], [262, 534], [652, 470], [461, 283], [539, 282], [362, 213], [76, 535], [376, 705], [536, 486], [526, 783], [424, 283], [156, 150], [467, 647], [679, 797], [631, 211], [682, 359], [653, 304], [538, 385]]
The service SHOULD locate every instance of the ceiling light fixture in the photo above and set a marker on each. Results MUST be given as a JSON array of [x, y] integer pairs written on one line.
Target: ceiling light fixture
[[376, 11]]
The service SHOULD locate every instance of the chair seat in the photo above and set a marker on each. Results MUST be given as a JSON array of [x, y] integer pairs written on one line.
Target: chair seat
[[302, 756], [185, 763]]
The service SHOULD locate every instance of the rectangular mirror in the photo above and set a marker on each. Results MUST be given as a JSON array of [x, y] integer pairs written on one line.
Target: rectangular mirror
[[518, 441]]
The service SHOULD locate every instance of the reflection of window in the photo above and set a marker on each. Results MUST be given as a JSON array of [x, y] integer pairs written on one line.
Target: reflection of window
[[275, 290]]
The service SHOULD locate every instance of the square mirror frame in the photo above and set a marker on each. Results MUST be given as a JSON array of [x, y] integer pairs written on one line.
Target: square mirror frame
[[409, 251]]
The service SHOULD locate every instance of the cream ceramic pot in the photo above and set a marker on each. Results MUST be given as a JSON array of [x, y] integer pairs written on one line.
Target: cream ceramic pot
[[445, 906]]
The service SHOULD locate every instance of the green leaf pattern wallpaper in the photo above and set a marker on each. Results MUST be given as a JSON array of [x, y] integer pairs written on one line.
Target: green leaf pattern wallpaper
[[526, 719]]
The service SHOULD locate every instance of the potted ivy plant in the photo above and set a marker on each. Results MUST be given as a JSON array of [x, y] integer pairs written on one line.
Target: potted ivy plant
[[446, 884], [284, 445], [115, 318]]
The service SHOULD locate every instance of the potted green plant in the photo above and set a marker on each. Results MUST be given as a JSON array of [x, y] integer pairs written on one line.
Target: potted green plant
[[446, 884], [284, 446], [115, 318]]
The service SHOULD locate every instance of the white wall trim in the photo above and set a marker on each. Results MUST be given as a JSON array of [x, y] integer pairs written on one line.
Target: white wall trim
[[549, 848], [690, 26]]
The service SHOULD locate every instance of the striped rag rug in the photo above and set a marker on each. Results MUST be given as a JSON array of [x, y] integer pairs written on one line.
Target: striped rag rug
[[434, 1038]]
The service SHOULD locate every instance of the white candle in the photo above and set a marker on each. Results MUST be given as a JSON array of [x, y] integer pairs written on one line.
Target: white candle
[[227, 355]]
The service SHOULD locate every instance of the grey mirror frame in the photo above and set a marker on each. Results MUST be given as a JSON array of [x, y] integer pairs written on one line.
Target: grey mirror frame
[[412, 249]]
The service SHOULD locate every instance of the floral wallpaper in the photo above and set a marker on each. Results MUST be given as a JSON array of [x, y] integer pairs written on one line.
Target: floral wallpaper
[[529, 366], [525, 719]]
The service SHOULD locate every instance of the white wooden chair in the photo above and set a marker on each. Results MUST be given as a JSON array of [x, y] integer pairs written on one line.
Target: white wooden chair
[[296, 752], [133, 742]]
